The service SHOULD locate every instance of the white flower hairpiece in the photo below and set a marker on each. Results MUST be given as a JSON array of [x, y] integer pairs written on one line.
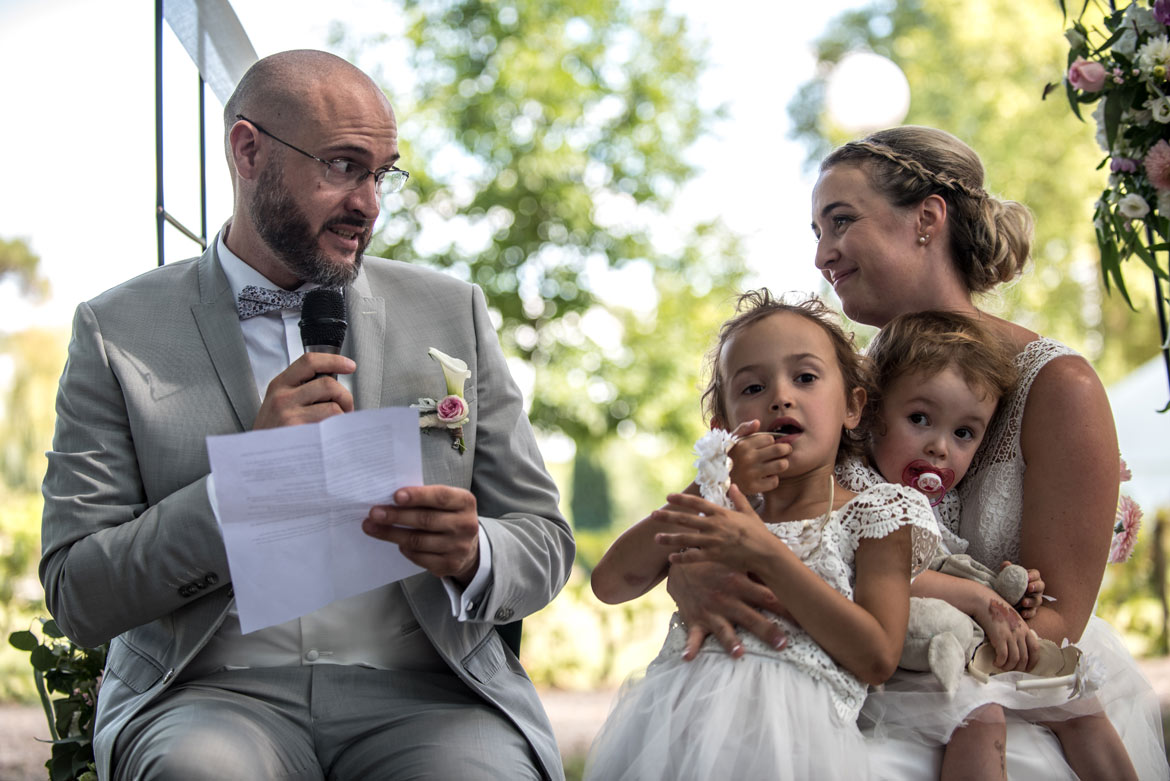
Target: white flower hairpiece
[[713, 465]]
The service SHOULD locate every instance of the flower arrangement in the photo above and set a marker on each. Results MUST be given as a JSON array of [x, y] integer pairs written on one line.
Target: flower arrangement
[[1124, 69], [1126, 525], [451, 412]]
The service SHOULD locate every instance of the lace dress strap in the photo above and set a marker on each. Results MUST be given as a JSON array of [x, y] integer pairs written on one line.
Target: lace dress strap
[[1002, 443], [887, 507], [992, 491]]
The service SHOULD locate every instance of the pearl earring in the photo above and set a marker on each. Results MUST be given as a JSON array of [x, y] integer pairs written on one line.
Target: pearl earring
[[923, 239]]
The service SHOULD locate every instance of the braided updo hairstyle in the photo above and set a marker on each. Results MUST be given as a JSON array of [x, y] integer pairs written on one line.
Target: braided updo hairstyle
[[991, 239]]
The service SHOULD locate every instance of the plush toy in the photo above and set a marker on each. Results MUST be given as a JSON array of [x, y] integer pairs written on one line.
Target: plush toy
[[941, 638]]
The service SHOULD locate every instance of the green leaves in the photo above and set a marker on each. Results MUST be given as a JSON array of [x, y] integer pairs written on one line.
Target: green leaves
[[61, 667], [549, 140]]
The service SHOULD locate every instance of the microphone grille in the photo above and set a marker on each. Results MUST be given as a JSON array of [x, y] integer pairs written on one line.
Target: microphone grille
[[323, 317]]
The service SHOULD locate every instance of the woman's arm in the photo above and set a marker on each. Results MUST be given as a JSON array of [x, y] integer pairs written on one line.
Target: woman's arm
[[1069, 444], [863, 635]]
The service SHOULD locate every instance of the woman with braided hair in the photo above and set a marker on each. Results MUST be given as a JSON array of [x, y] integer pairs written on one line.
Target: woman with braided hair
[[904, 224]]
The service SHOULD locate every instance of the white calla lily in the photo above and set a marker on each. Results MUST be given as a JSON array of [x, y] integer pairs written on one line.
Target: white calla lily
[[455, 371]]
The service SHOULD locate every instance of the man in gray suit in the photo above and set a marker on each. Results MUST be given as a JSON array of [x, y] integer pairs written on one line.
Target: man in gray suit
[[407, 681]]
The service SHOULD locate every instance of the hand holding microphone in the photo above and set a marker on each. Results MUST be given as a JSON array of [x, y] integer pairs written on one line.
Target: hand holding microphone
[[308, 391]]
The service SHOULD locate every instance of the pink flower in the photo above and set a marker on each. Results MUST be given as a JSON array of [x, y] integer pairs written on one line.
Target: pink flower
[[1158, 165], [452, 409], [1125, 165], [1126, 475], [1086, 75], [1125, 532]]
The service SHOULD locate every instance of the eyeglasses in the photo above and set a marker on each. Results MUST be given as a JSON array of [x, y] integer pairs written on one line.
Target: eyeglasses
[[346, 174]]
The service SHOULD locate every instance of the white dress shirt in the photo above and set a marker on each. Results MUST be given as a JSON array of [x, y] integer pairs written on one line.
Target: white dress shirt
[[365, 629]]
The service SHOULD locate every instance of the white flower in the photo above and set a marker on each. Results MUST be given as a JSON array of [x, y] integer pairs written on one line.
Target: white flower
[[1164, 202], [1090, 675], [1127, 43], [1075, 39], [713, 466], [455, 371], [1144, 20], [1153, 53], [1133, 206], [1159, 108], [1099, 117]]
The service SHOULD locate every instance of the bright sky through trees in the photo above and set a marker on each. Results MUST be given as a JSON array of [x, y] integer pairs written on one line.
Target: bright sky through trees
[[78, 135]]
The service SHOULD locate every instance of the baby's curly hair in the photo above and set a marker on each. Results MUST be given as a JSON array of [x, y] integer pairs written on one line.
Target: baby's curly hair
[[928, 342], [755, 305]]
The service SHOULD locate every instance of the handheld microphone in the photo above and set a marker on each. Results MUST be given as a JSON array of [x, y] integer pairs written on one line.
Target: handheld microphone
[[323, 321]]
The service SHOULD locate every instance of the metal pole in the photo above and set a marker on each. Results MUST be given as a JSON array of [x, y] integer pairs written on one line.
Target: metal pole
[[1160, 302], [158, 131], [202, 162]]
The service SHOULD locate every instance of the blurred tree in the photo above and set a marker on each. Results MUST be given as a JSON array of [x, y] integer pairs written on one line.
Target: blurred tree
[[590, 502], [546, 142], [30, 363], [18, 262], [27, 399], [970, 77]]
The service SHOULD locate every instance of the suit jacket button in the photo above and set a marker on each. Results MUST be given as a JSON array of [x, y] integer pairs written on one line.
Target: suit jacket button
[[504, 614], [185, 591], [211, 579]]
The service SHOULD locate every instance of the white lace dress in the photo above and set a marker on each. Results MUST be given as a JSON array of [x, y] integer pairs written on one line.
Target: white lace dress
[[788, 714], [907, 720]]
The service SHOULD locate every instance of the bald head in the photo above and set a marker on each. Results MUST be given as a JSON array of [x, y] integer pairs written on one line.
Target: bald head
[[298, 87]]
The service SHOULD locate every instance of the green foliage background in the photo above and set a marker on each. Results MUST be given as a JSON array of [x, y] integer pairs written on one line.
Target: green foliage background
[[978, 68]]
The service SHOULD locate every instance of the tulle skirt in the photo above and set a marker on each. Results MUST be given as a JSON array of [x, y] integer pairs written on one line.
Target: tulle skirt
[[911, 717], [757, 717]]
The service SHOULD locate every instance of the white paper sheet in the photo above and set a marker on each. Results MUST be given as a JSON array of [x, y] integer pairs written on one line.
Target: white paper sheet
[[291, 501]]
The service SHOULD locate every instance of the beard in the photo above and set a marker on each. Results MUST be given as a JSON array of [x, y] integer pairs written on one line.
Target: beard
[[285, 229]]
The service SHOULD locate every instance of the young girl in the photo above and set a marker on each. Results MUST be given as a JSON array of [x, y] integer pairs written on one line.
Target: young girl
[[940, 377], [840, 562]]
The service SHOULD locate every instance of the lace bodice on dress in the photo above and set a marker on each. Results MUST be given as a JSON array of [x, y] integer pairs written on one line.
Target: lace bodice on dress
[[992, 493], [828, 551], [856, 475]]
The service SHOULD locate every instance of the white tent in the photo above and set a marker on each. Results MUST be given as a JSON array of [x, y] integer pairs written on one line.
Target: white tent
[[1143, 433]]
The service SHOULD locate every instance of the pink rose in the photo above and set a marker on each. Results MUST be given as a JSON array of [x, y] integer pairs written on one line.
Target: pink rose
[[1086, 75], [1158, 165], [452, 409]]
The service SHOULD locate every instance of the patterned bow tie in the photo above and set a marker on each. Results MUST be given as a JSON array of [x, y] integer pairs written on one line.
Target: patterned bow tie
[[255, 300]]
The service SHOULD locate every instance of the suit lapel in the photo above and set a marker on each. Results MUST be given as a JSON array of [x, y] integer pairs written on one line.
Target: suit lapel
[[219, 326], [366, 342]]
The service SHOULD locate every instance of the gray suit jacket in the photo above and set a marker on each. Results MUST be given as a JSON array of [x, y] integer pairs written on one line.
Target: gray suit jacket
[[131, 550]]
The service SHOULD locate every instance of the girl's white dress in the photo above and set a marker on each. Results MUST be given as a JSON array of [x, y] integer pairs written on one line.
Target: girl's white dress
[[787, 714], [907, 720]]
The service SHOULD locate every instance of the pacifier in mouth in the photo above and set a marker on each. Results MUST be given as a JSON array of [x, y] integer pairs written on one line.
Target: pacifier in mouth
[[931, 480]]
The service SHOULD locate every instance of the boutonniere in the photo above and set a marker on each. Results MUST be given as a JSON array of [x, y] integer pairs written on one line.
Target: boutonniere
[[451, 412]]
